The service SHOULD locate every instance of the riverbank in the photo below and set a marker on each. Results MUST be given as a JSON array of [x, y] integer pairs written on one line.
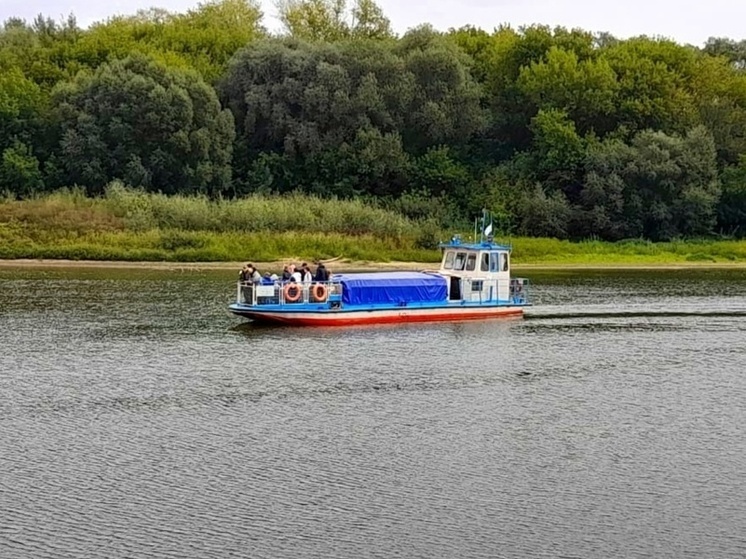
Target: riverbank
[[137, 229], [346, 265]]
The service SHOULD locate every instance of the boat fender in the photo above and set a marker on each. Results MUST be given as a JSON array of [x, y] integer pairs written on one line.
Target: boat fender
[[292, 292], [320, 292]]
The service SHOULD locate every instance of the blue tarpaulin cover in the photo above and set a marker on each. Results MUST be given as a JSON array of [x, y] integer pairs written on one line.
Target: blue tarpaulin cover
[[396, 288]]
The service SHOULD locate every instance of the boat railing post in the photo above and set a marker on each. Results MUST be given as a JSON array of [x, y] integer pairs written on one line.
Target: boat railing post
[[239, 299], [246, 294]]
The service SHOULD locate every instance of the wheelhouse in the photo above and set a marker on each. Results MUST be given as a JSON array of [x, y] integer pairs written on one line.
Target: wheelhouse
[[480, 272]]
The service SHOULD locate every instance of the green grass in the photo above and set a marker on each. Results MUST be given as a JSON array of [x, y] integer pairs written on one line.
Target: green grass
[[170, 246], [128, 225], [541, 251]]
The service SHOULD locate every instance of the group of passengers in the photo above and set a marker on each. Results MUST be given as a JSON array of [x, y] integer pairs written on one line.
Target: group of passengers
[[295, 283], [290, 274]]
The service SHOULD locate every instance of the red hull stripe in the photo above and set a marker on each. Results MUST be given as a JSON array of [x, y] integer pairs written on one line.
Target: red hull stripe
[[386, 317]]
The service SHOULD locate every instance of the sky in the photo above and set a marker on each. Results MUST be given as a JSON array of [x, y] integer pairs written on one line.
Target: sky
[[684, 21]]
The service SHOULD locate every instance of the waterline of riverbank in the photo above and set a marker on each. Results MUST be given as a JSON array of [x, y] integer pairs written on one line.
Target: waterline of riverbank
[[351, 265]]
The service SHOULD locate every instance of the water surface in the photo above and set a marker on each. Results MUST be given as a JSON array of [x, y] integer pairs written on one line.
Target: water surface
[[139, 419]]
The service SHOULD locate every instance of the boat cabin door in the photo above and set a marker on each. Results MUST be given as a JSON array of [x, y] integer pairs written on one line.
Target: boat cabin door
[[455, 290]]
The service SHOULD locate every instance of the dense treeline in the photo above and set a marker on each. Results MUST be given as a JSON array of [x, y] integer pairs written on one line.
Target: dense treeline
[[560, 133]]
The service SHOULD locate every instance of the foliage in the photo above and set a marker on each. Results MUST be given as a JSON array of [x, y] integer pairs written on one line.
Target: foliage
[[19, 170], [292, 212], [346, 116], [333, 20], [660, 187], [732, 207], [68, 224], [558, 132], [204, 38], [154, 127]]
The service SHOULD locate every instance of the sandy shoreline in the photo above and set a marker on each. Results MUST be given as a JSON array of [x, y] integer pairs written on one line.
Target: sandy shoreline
[[342, 265], [339, 266]]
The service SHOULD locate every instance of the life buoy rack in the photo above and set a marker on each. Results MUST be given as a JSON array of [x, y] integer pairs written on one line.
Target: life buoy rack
[[320, 292], [292, 292]]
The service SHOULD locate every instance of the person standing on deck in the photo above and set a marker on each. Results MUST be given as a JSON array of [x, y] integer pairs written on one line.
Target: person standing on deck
[[322, 274], [286, 273], [294, 274], [245, 278], [256, 277]]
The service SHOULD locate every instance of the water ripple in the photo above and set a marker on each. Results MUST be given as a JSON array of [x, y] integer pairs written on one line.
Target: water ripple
[[165, 430]]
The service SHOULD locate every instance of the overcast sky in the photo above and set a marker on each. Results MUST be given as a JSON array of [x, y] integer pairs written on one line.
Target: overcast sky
[[685, 21]]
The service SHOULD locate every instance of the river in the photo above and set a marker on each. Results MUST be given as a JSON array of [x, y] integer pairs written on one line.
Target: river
[[139, 419]]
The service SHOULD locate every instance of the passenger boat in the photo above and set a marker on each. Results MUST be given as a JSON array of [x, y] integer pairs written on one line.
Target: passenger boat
[[473, 282]]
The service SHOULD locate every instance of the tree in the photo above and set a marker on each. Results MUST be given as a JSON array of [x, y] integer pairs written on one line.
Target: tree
[[445, 103], [733, 51], [19, 171], [333, 20], [585, 89], [720, 96], [304, 99], [135, 120], [21, 102], [658, 187], [204, 38], [557, 157], [543, 215], [731, 210], [439, 175], [654, 91]]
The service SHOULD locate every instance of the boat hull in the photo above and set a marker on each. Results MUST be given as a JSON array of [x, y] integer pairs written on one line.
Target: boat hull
[[376, 316]]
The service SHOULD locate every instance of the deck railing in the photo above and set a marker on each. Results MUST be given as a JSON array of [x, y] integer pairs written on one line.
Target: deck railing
[[512, 291], [478, 290], [519, 290], [281, 293]]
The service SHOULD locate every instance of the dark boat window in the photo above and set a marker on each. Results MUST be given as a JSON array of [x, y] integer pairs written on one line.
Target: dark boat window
[[504, 258], [476, 285], [448, 262], [494, 267], [485, 262], [471, 262], [458, 263]]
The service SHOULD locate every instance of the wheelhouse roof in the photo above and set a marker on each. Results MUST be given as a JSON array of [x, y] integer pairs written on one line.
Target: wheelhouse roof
[[456, 244]]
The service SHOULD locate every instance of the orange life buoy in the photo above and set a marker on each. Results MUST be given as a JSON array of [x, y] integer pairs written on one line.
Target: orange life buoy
[[292, 292], [320, 292]]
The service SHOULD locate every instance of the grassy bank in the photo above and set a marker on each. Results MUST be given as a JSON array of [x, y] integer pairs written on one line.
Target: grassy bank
[[131, 226], [551, 252]]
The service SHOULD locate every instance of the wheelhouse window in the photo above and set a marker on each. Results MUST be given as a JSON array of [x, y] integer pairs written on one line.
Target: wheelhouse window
[[448, 260], [504, 261], [458, 263], [494, 263], [485, 265], [471, 262]]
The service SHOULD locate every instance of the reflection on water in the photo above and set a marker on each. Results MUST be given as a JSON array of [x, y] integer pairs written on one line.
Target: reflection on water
[[139, 419]]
